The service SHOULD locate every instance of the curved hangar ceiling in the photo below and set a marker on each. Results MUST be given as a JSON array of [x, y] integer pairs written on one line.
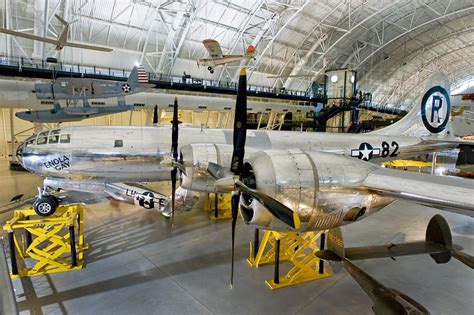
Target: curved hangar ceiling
[[394, 45]]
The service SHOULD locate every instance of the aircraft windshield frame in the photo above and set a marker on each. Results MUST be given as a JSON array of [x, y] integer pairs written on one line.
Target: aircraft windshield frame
[[54, 136], [31, 140], [42, 138]]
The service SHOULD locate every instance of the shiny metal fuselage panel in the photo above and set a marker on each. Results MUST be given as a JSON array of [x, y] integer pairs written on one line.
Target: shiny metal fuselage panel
[[93, 152]]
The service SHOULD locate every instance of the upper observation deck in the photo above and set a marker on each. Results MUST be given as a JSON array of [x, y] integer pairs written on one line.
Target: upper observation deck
[[34, 68]]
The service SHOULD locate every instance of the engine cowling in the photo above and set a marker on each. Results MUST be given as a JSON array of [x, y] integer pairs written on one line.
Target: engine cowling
[[288, 176], [196, 158], [321, 187]]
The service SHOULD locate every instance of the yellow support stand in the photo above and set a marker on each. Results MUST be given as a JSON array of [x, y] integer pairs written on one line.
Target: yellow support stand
[[50, 241], [296, 248], [224, 210]]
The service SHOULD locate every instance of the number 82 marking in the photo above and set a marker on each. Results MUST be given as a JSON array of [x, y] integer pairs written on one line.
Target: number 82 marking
[[386, 149]]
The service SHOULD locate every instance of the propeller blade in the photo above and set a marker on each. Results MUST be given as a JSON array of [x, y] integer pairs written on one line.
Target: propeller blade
[[239, 135], [225, 185], [277, 209], [180, 166], [155, 115], [174, 153], [235, 210], [174, 133], [174, 171], [240, 124], [217, 171]]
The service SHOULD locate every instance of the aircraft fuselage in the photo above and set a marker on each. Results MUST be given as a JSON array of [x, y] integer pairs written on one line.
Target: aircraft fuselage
[[129, 153]]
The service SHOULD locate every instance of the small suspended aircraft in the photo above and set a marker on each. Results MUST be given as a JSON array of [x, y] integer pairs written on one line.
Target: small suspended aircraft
[[60, 41], [216, 57], [79, 90]]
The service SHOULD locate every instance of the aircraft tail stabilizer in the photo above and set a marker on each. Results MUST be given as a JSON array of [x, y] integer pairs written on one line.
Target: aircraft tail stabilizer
[[429, 116], [438, 244], [138, 76]]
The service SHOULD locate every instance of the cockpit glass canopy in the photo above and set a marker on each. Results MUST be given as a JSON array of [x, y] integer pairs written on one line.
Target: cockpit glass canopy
[[65, 138], [30, 140], [42, 138], [51, 137], [54, 136]]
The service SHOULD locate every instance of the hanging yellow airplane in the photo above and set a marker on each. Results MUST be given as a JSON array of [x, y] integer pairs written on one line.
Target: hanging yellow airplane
[[216, 57]]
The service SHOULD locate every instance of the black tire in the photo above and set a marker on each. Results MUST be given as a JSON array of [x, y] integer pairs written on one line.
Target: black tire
[[45, 206], [209, 68], [54, 199], [211, 71]]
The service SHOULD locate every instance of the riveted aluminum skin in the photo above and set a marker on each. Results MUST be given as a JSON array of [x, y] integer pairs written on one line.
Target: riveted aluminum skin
[[320, 187], [197, 157]]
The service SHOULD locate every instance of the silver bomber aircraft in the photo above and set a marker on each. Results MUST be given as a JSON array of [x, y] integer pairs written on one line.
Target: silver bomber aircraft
[[286, 181], [89, 158]]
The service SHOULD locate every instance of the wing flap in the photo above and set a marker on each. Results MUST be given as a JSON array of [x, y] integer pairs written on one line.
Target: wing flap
[[445, 192]]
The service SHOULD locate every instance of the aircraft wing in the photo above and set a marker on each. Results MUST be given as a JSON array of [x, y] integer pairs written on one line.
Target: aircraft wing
[[444, 192], [213, 48], [78, 45], [29, 36]]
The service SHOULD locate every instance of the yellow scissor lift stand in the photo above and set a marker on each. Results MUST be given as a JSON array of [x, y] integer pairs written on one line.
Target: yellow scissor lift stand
[[223, 211], [47, 244], [296, 248]]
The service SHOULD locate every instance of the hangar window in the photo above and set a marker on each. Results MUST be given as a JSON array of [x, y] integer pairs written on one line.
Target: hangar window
[[65, 138], [54, 136], [118, 144], [42, 138]]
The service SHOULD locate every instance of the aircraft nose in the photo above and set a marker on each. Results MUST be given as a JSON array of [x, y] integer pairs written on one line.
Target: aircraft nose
[[19, 153]]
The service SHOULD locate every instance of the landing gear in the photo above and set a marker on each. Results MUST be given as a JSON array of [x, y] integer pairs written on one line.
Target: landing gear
[[211, 70], [46, 205]]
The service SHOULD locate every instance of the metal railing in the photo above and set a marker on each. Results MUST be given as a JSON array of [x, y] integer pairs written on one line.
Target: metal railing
[[121, 74]]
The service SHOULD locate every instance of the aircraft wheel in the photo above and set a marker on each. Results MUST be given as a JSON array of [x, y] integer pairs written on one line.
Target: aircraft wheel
[[54, 199], [209, 68], [211, 71], [45, 206]]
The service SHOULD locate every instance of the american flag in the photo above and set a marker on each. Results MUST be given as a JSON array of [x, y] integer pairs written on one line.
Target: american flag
[[142, 75]]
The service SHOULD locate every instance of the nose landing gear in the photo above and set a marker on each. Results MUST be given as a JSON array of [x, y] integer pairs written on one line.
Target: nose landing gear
[[211, 70], [45, 205]]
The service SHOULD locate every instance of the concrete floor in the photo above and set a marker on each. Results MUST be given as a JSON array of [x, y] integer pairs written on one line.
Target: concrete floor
[[138, 264]]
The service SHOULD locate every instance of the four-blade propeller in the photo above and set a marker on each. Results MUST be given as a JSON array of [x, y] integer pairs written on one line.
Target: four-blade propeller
[[231, 181], [226, 182]]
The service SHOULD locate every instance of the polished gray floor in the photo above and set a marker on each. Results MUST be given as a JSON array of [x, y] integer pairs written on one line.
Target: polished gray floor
[[138, 264]]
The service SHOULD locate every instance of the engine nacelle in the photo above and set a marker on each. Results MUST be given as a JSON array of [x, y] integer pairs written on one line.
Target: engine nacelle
[[289, 176], [322, 188], [196, 158]]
